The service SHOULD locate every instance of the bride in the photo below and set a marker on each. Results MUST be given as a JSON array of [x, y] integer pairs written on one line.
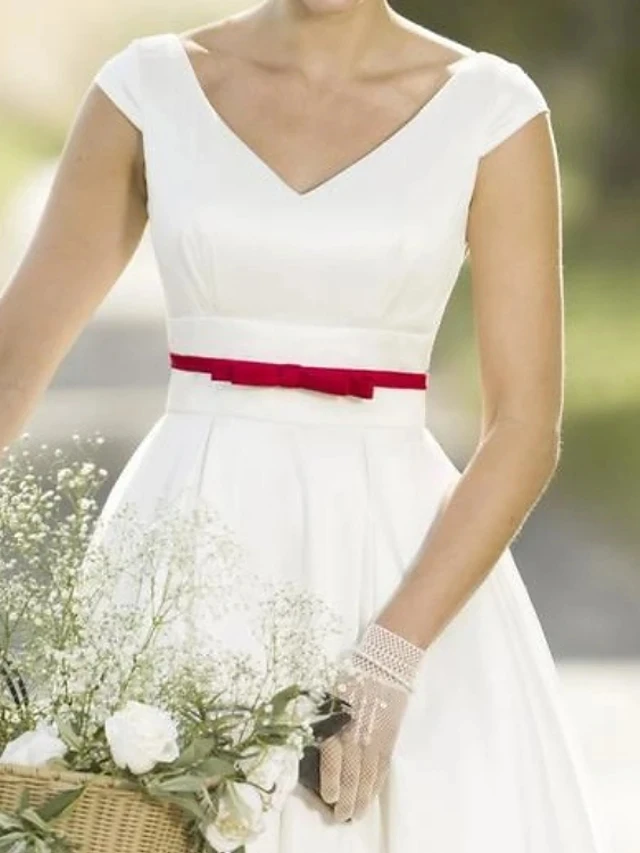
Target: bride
[[314, 173]]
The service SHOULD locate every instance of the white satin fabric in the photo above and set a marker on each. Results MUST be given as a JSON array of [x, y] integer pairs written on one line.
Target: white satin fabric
[[338, 492]]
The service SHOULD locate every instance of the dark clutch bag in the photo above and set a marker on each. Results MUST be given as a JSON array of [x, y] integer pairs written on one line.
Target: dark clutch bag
[[309, 767]]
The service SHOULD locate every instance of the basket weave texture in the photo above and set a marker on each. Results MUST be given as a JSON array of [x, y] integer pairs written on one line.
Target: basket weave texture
[[108, 817]]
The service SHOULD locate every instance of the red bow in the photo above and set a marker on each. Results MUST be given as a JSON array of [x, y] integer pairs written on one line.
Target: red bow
[[351, 381], [326, 379]]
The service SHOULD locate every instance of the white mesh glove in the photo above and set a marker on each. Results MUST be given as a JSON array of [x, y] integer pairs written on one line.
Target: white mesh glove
[[376, 678]]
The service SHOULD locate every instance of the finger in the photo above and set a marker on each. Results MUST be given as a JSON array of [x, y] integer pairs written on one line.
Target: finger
[[349, 776], [366, 782], [384, 763], [330, 768]]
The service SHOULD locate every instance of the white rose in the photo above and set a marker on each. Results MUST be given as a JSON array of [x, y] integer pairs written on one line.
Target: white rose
[[35, 748], [279, 766], [297, 741], [140, 736], [240, 818], [300, 709]]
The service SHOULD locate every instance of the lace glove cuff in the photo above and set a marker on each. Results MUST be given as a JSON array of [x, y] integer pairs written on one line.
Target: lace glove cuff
[[387, 656]]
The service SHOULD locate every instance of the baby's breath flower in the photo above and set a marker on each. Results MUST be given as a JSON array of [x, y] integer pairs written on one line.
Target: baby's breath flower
[[99, 611]]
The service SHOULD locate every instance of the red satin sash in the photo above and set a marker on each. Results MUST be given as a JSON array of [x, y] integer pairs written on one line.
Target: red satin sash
[[356, 382]]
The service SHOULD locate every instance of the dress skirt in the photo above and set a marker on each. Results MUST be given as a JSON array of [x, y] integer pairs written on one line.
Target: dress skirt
[[336, 493]]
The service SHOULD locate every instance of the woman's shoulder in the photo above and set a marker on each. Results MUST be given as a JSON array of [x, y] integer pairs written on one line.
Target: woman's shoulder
[[499, 92], [121, 74], [131, 52], [506, 78], [507, 96], [492, 72], [501, 87], [503, 70], [125, 59]]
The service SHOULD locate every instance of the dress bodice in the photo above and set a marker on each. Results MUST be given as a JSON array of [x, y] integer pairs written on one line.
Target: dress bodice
[[379, 245]]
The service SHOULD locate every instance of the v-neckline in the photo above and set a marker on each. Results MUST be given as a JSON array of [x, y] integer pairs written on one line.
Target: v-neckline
[[344, 171]]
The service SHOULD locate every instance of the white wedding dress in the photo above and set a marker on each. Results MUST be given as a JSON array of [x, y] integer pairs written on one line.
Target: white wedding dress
[[338, 491]]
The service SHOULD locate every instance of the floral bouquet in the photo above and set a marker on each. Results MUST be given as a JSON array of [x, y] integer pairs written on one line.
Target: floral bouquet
[[126, 721]]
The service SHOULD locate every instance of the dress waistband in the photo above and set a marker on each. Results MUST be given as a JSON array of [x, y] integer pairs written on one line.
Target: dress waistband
[[352, 381], [274, 370]]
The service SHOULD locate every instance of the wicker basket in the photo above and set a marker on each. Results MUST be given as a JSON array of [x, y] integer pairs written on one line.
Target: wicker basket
[[107, 818]]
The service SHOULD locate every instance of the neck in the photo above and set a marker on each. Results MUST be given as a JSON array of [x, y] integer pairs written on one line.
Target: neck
[[325, 38]]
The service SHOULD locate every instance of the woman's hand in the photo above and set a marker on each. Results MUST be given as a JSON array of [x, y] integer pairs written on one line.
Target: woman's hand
[[376, 679], [354, 763]]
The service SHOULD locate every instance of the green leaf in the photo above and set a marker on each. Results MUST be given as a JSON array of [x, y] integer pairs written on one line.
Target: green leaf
[[277, 729], [68, 735], [196, 751], [8, 821], [23, 802], [32, 817], [214, 766], [282, 697], [57, 805], [187, 804], [186, 784], [7, 841], [41, 846]]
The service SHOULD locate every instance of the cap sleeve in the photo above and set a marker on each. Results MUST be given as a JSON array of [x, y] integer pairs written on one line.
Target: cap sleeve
[[119, 78], [517, 99]]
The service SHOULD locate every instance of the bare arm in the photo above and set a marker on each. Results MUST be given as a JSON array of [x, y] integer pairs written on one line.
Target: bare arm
[[92, 222], [514, 236]]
